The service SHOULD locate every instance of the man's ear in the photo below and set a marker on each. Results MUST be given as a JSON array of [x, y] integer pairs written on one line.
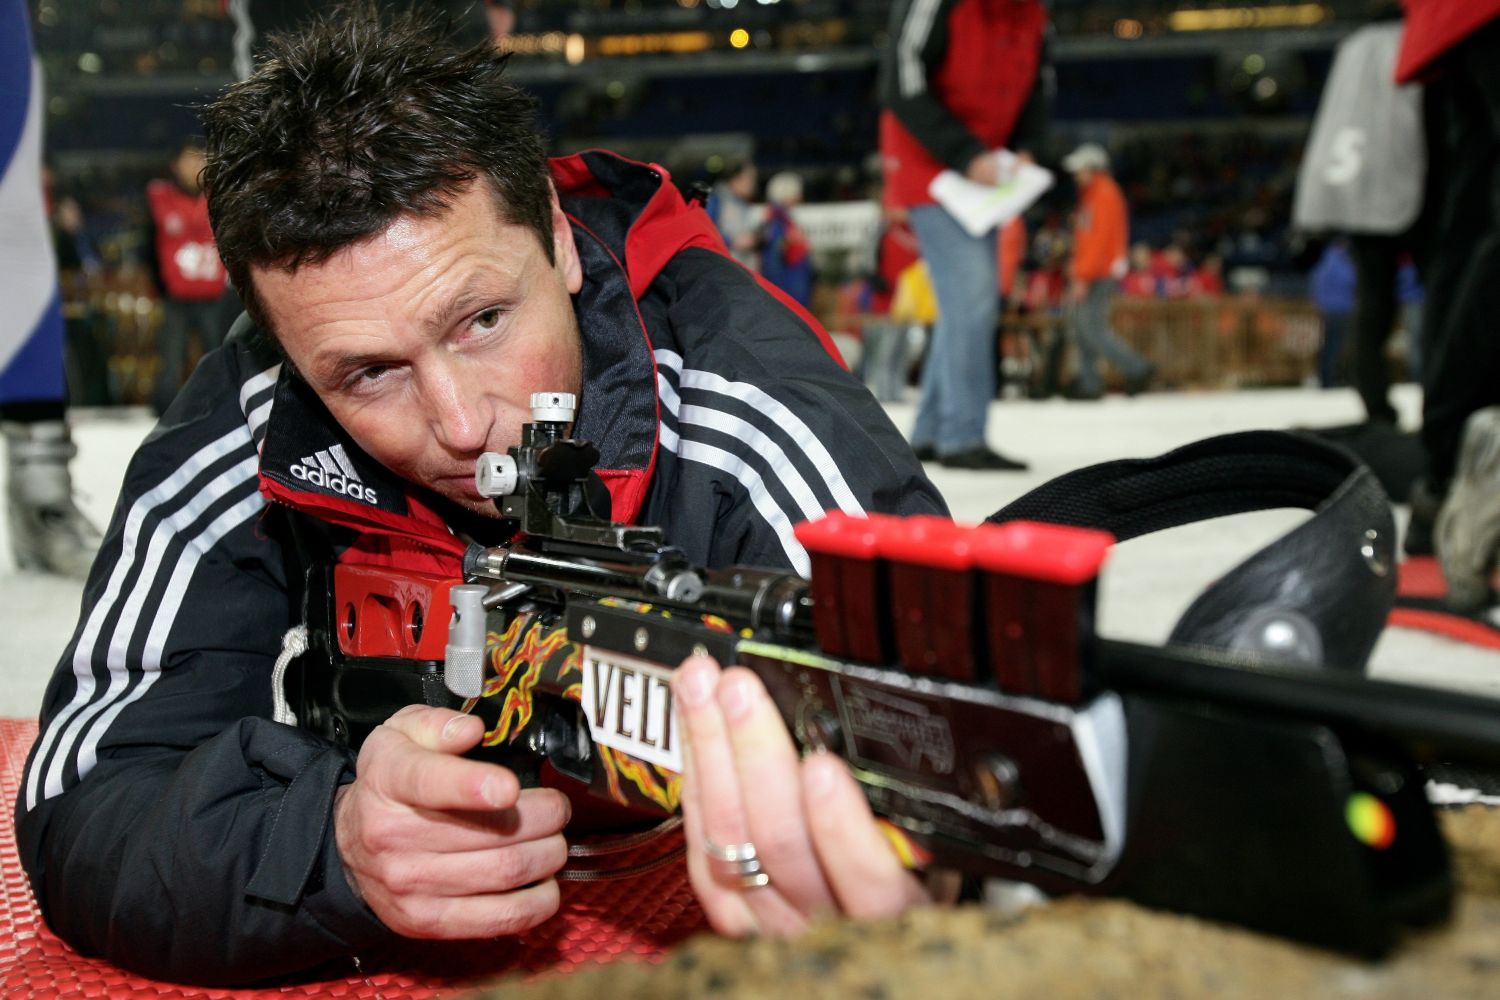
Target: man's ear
[[564, 251]]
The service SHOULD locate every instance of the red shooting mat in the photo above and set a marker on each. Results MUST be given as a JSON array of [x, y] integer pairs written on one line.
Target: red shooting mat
[[639, 917]]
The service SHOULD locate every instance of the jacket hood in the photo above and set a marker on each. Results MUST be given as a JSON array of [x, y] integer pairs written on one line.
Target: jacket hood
[[634, 209]]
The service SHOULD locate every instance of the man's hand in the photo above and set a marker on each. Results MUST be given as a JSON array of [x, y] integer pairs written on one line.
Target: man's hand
[[440, 846], [984, 169], [812, 829]]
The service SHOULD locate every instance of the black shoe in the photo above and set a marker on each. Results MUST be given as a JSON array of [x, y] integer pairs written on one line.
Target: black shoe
[[1424, 511], [1082, 396], [1137, 384], [925, 452], [982, 458]]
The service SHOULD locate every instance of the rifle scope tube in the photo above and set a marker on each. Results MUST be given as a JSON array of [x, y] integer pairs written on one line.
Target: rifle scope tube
[[772, 604]]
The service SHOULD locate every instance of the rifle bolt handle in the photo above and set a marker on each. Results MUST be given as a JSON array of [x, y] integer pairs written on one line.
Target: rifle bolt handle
[[463, 660], [495, 475]]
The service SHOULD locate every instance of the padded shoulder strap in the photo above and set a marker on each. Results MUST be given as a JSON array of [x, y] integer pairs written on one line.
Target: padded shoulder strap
[[1215, 477], [1319, 595]]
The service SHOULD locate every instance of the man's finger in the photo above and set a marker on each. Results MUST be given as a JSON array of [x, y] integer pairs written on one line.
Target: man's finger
[[860, 864], [725, 907], [718, 793], [472, 873], [539, 812], [440, 729], [767, 761], [405, 772], [476, 916], [721, 806]]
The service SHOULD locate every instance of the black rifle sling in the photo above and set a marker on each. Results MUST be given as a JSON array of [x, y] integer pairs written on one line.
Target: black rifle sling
[[1319, 595]]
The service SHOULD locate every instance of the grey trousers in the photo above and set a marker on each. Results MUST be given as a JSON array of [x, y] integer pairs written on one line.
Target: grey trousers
[[180, 321], [1088, 321]]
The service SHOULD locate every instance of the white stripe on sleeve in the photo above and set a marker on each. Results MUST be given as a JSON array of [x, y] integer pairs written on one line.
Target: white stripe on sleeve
[[911, 73], [780, 415], [760, 447], [127, 628], [130, 542], [166, 615]]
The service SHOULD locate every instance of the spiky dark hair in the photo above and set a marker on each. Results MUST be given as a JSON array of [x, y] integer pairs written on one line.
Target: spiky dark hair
[[354, 120]]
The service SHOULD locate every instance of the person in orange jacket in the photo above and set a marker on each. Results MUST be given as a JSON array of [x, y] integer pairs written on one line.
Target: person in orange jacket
[[1100, 239]]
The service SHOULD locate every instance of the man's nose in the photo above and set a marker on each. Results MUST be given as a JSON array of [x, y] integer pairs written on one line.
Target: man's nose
[[458, 408]]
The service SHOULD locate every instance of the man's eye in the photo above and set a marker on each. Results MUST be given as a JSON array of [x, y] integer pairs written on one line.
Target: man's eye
[[366, 378], [488, 320]]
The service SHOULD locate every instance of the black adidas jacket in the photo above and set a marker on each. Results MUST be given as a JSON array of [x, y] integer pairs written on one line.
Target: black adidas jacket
[[166, 823]]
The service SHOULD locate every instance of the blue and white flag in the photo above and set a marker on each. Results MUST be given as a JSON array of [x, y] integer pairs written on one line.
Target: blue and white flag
[[31, 327]]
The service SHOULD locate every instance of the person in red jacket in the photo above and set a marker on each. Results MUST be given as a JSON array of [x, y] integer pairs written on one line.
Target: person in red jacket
[[190, 279], [1140, 280], [1100, 237], [1207, 279], [1453, 48], [960, 79]]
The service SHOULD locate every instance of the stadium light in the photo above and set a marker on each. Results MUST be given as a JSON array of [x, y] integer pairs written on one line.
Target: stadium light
[[1299, 15]]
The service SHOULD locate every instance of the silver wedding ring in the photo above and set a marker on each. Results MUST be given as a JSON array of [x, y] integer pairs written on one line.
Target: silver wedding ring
[[736, 865]]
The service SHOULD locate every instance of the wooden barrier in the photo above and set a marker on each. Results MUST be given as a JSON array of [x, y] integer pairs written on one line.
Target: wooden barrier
[[116, 313], [1229, 342], [1220, 343]]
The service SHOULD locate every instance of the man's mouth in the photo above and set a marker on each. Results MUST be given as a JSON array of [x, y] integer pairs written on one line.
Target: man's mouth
[[458, 482]]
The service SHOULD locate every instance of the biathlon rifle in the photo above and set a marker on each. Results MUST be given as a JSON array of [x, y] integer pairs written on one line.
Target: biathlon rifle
[[957, 672]]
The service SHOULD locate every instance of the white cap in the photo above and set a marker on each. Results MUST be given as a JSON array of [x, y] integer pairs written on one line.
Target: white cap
[[554, 407], [495, 475], [1089, 156]]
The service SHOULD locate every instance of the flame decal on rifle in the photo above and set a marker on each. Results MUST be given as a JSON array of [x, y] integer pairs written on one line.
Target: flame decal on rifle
[[517, 667], [657, 784]]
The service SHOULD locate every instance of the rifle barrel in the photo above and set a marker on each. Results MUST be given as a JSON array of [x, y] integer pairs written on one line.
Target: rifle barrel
[[1436, 724]]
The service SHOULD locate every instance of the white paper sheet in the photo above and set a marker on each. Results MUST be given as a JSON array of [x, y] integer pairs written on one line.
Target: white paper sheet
[[981, 207]]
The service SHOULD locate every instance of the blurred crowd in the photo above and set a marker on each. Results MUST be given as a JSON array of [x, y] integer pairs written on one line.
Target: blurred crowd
[[1209, 216]]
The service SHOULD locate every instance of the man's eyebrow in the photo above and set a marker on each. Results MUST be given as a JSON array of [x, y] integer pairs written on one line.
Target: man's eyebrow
[[332, 368], [479, 289]]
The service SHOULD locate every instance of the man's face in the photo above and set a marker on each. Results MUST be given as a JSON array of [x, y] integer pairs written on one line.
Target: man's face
[[427, 340], [743, 183]]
